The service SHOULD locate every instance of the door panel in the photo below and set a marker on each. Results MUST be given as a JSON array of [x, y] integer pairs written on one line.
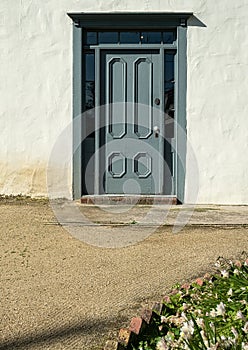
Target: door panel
[[117, 93], [143, 85], [134, 162]]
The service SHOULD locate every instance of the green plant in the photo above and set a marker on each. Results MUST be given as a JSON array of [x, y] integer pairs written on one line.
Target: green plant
[[133, 222], [208, 314]]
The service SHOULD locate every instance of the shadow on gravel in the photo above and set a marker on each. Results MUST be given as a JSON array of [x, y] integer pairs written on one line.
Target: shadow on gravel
[[51, 336]]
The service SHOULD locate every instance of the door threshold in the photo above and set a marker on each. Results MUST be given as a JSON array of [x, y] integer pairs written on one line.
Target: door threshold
[[111, 199]]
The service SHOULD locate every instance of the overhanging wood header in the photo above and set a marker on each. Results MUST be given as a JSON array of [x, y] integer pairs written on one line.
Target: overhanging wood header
[[130, 20]]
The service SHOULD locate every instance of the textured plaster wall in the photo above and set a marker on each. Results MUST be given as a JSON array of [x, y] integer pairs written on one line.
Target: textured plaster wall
[[36, 92]]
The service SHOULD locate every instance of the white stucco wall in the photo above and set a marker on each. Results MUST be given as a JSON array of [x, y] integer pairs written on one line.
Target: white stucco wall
[[36, 91]]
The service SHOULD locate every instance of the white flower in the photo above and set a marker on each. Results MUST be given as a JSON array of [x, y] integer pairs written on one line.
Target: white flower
[[244, 346], [213, 313], [217, 264], [245, 329], [168, 337], [203, 334], [198, 312], [184, 316], [220, 309], [163, 319], [187, 329], [213, 347], [185, 306], [230, 292], [225, 274], [161, 345], [240, 316], [200, 322], [205, 341], [236, 271], [211, 324], [235, 333]]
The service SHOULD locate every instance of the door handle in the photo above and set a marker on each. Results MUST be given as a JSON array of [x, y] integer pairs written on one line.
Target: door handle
[[156, 131]]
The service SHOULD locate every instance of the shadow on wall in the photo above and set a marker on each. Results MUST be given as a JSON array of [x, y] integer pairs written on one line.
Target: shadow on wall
[[193, 21]]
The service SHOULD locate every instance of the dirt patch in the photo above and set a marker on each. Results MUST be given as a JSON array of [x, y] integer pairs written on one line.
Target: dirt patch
[[60, 293]]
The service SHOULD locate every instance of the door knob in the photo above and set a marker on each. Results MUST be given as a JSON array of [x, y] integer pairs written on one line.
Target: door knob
[[157, 101], [156, 131]]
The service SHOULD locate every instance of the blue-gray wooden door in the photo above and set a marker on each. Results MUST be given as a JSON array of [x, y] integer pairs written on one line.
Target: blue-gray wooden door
[[133, 142]]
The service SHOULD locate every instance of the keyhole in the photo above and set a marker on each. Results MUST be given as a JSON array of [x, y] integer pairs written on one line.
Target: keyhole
[[157, 101]]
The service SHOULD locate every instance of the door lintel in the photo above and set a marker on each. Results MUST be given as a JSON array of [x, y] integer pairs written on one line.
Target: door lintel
[[126, 20]]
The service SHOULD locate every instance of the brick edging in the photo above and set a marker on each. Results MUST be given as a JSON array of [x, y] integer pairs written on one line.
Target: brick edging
[[138, 324]]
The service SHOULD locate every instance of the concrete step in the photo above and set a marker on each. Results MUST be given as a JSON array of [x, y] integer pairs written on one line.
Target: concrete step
[[129, 199]]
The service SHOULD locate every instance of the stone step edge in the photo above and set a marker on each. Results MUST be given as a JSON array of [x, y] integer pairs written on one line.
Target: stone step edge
[[124, 200]]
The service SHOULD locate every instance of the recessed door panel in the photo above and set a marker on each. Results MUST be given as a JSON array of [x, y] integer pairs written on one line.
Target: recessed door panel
[[143, 84], [116, 75]]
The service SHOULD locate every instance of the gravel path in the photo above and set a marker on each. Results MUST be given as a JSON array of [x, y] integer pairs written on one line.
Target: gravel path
[[60, 293]]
